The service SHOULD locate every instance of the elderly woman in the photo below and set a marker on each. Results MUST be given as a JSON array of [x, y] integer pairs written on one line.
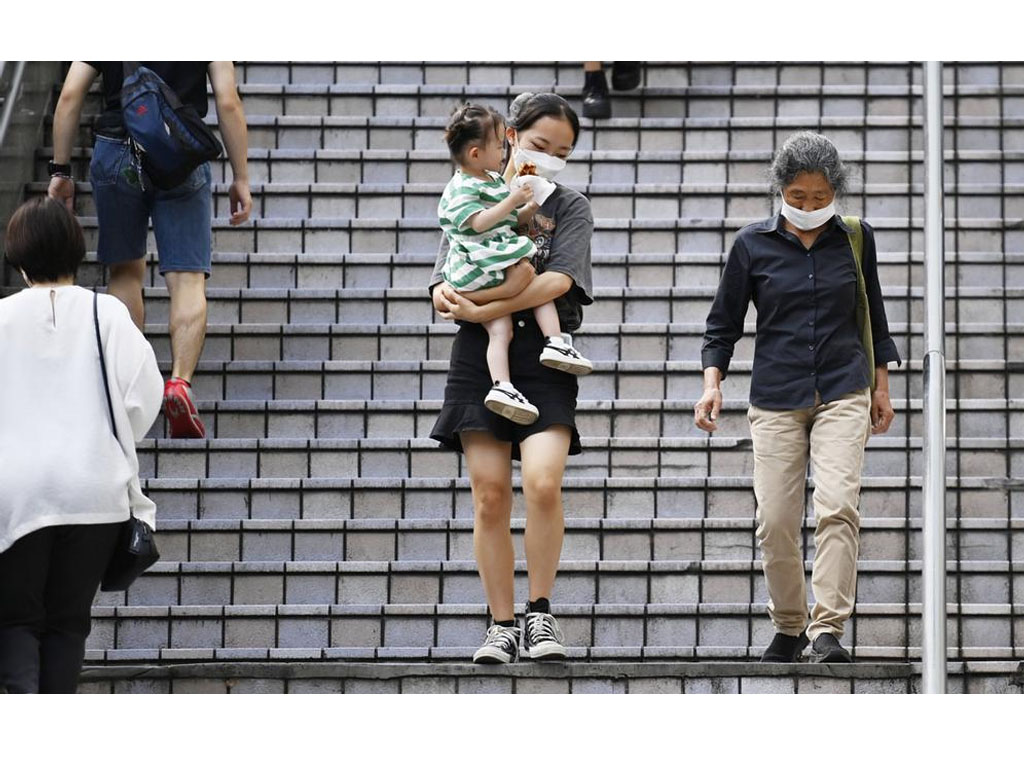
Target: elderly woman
[[66, 485], [813, 392]]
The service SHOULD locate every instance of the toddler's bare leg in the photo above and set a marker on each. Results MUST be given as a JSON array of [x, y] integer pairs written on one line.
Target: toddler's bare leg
[[499, 333], [547, 319]]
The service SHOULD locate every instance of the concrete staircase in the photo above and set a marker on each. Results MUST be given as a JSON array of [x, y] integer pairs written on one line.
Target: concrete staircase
[[319, 541]]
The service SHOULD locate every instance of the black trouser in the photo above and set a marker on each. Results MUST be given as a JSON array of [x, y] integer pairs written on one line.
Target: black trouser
[[48, 580]]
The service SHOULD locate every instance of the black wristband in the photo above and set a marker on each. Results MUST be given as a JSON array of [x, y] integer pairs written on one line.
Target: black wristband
[[59, 169]]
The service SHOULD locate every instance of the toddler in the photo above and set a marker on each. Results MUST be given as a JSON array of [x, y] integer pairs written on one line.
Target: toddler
[[479, 216]]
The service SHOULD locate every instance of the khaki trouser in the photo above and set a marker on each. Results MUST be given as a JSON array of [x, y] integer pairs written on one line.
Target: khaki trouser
[[834, 435]]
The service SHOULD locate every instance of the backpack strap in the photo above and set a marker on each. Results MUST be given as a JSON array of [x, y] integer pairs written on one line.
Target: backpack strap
[[128, 68], [856, 237]]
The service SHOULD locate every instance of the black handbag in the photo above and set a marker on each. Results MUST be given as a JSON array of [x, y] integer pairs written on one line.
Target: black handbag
[[136, 548]]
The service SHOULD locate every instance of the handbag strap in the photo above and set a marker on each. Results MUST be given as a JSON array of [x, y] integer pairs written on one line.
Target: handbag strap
[[856, 238], [103, 363]]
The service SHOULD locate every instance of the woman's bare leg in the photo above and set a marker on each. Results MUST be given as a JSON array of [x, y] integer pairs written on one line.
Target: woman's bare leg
[[490, 476], [543, 457], [499, 336]]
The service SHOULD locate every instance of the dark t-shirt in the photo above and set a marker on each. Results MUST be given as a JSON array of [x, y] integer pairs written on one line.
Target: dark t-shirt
[[562, 229], [187, 78]]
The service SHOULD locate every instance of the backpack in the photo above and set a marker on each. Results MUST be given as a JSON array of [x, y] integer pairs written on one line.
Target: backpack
[[856, 237], [168, 139]]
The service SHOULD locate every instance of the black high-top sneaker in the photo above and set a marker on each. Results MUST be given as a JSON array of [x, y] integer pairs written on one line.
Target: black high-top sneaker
[[543, 639], [501, 645]]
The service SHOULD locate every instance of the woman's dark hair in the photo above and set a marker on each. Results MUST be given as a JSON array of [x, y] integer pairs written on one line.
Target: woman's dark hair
[[44, 240], [528, 108], [808, 152], [469, 125]]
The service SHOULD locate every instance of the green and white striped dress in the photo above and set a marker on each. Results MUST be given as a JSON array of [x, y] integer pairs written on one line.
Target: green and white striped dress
[[478, 260]]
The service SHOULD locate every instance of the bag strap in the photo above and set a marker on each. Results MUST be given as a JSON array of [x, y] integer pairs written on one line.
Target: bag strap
[[856, 237], [103, 363]]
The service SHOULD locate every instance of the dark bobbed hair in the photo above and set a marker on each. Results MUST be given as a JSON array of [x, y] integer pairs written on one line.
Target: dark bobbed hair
[[44, 240]]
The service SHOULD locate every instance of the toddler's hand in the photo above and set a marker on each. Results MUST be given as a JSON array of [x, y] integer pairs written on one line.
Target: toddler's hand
[[523, 195]]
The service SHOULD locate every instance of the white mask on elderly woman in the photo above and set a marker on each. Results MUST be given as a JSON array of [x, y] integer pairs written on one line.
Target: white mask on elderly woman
[[807, 220]]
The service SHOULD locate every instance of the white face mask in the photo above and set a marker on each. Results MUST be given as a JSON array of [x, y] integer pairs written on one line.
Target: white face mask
[[807, 220], [548, 166]]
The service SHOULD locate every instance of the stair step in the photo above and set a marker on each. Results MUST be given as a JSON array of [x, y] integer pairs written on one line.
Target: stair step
[[358, 582], [412, 306], [260, 416], [586, 627], [606, 676], [421, 457], [392, 498]]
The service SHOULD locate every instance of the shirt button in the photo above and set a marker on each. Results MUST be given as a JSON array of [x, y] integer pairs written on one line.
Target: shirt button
[[810, 347], [522, 323], [810, 276]]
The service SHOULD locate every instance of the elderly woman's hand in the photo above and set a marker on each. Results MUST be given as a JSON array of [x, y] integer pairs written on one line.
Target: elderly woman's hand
[[705, 412], [882, 413]]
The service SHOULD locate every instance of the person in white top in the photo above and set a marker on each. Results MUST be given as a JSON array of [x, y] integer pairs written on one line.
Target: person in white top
[[68, 485]]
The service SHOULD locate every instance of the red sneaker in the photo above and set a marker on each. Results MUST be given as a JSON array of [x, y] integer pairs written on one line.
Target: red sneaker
[[180, 410]]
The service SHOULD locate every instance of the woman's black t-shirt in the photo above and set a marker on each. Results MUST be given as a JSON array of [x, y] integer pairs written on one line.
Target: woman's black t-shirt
[[187, 78], [562, 229]]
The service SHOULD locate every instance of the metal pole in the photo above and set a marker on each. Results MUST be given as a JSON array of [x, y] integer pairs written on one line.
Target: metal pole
[[12, 97], [934, 481]]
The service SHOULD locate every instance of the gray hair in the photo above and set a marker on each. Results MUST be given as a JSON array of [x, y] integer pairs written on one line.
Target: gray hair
[[808, 152]]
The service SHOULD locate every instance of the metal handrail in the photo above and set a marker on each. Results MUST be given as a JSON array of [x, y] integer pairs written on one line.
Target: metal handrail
[[934, 481], [12, 93]]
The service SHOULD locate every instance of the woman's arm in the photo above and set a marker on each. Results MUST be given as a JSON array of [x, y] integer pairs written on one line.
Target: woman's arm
[[542, 289], [885, 348], [882, 413], [517, 277], [728, 311]]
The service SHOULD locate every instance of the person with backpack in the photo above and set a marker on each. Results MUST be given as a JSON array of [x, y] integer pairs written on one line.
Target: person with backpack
[[150, 160], [819, 386]]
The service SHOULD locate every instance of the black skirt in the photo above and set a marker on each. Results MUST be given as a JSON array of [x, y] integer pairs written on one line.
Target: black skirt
[[552, 391]]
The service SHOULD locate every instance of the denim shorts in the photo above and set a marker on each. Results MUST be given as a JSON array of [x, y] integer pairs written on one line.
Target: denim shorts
[[124, 206]]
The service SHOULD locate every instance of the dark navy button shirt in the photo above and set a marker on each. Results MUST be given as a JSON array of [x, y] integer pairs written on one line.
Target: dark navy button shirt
[[807, 336]]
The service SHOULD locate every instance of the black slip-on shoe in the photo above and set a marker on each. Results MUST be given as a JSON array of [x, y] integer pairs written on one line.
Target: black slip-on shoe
[[826, 650], [785, 649]]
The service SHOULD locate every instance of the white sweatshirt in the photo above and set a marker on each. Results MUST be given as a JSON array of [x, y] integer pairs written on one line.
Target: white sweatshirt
[[59, 462]]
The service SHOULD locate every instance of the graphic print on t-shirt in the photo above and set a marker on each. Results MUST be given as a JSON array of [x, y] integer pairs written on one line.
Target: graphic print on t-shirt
[[542, 232]]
